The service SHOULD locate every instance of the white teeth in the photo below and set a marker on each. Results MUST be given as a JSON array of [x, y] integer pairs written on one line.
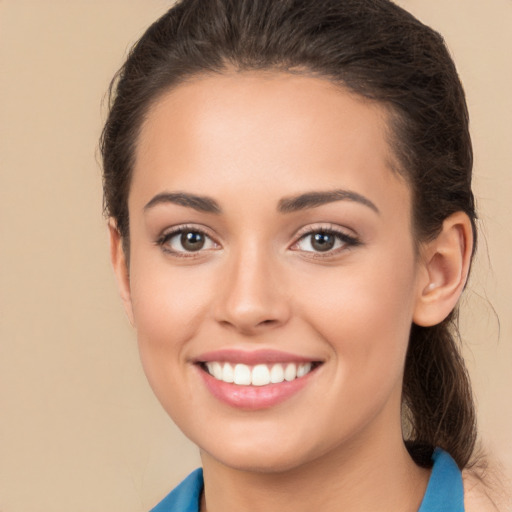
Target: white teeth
[[290, 372], [258, 375], [216, 370], [242, 375], [303, 369], [228, 375], [277, 374]]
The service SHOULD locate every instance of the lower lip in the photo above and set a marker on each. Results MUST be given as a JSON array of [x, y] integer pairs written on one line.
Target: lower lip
[[253, 397]]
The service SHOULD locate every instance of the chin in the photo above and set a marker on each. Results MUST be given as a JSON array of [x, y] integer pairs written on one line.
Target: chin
[[278, 452], [255, 461]]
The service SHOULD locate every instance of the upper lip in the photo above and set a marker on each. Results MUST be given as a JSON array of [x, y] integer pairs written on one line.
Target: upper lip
[[252, 357]]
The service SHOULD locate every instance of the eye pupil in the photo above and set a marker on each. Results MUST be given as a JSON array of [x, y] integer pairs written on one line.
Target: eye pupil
[[322, 241], [192, 241]]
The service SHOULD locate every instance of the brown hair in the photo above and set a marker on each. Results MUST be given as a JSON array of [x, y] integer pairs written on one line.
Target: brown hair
[[375, 49]]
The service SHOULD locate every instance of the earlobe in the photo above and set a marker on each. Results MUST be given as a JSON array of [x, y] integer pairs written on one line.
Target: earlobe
[[120, 266], [446, 261]]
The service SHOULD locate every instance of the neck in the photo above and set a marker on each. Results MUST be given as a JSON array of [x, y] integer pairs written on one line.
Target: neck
[[376, 475]]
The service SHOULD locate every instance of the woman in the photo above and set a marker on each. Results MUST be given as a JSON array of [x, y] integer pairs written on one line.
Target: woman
[[292, 224]]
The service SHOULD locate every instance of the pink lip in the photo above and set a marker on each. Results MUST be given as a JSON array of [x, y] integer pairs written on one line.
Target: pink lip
[[253, 397], [252, 357]]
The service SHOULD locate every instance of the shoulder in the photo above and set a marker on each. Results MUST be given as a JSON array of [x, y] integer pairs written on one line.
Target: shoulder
[[478, 497]]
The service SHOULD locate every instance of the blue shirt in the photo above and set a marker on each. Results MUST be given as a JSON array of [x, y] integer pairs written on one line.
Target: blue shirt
[[444, 493]]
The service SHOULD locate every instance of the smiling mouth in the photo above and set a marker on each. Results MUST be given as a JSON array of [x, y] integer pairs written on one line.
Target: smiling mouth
[[259, 374]]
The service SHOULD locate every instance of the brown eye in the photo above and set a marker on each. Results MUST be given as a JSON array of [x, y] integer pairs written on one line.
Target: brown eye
[[325, 241], [322, 241], [186, 241], [192, 241]]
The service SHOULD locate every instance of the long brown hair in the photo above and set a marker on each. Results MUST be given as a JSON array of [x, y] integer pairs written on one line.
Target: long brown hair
[[375, 49]]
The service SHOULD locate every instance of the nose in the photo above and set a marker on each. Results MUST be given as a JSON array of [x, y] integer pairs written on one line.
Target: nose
[[253, 297]]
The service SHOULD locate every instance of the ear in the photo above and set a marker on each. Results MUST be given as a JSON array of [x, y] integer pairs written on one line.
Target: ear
[[446, 261], [120, 266]]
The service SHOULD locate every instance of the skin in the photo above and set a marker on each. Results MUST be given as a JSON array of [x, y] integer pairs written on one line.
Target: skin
[[249, 141]]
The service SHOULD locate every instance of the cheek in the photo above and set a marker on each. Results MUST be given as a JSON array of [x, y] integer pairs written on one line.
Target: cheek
[[365, 313], [168, 306], [164, 297]]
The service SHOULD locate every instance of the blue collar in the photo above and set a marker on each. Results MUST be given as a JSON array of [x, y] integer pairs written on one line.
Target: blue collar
[[444, 491], [184, 498]]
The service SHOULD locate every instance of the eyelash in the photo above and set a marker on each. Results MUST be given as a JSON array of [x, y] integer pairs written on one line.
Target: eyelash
[[180, 230], [348, 241]]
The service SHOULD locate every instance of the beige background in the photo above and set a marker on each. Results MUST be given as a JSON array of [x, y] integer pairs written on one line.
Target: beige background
[[79, 427]]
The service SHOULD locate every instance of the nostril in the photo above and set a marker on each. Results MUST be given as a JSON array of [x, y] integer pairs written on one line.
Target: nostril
[[249, 327], [248, 308]]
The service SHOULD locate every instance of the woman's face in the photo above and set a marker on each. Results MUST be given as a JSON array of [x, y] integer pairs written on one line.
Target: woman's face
[[270, 235]]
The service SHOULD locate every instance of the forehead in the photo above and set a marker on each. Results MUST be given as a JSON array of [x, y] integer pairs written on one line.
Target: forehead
[[235, 129]]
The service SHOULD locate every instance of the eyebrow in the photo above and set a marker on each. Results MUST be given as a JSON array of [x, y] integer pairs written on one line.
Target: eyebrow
[[199, 203], [314, 199], [285, 205]]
